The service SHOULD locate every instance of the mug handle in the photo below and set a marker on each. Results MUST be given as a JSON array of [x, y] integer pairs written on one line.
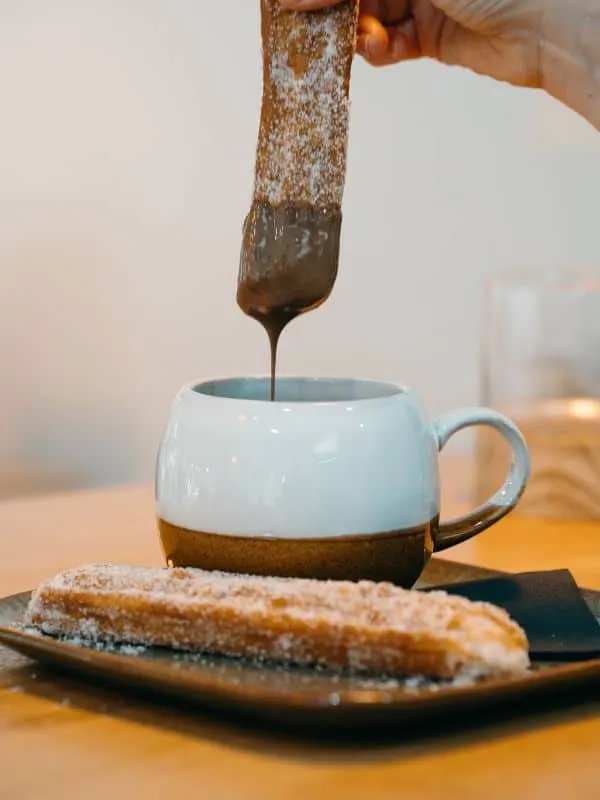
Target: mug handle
[[506, 498]]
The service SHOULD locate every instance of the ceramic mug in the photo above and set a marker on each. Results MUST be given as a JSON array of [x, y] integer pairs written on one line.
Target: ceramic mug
[[338, 478]]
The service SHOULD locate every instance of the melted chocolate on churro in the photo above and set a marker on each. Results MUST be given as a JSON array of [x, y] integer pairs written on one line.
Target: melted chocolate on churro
[[291, 239]]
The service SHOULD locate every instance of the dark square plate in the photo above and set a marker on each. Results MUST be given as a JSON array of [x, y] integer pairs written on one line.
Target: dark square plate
[[294, 696]]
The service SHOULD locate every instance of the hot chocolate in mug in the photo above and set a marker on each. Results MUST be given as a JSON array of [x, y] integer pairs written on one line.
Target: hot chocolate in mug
[[337, 478]]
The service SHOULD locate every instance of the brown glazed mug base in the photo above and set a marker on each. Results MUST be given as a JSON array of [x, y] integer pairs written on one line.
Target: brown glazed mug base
[[396, 556]]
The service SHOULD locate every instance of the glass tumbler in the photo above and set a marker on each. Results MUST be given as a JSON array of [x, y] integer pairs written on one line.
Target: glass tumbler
[[541, 367]]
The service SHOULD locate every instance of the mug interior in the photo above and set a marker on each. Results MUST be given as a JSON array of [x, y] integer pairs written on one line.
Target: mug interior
[[298, 390]]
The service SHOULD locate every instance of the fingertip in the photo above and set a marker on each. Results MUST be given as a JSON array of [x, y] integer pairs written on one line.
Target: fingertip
[[369, 24], [373, 38]]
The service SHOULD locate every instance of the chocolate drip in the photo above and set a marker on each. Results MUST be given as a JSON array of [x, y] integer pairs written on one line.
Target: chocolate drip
[[291, 238], [288, 265]]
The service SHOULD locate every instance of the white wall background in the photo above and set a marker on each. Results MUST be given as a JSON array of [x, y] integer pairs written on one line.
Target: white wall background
[[127, 137]]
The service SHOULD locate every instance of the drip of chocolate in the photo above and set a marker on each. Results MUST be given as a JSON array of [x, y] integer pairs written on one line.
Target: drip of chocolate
[[288, 265], [291, 237]]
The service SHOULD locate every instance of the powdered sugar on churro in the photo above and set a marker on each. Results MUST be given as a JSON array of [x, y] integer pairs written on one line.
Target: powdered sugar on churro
[[362, 626], [303, 134]]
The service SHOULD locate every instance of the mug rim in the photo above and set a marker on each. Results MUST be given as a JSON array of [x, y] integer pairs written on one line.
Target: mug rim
[[389, 389]]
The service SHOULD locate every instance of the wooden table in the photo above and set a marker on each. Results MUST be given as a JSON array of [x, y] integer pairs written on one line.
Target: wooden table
[[59, 739]]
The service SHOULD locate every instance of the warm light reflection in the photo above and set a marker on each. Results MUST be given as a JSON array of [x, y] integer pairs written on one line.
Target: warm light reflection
[[584, 408]]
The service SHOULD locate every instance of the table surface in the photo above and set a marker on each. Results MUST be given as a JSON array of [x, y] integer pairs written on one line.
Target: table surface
[[59, 739]]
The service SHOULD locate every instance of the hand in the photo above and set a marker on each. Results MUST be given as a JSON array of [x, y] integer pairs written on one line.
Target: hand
[[499, 38]]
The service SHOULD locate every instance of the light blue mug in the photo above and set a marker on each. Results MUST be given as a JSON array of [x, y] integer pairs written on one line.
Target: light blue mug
[[338, 478]]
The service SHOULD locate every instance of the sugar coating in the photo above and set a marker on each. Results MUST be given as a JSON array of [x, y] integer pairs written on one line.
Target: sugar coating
[[235, 671], [301, 155], [362, 626]]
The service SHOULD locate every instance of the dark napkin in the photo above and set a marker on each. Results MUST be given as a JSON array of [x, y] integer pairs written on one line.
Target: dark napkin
[[547, 605]]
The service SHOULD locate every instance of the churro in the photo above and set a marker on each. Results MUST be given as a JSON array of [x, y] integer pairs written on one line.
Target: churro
[[362, 627], [290, 247]]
